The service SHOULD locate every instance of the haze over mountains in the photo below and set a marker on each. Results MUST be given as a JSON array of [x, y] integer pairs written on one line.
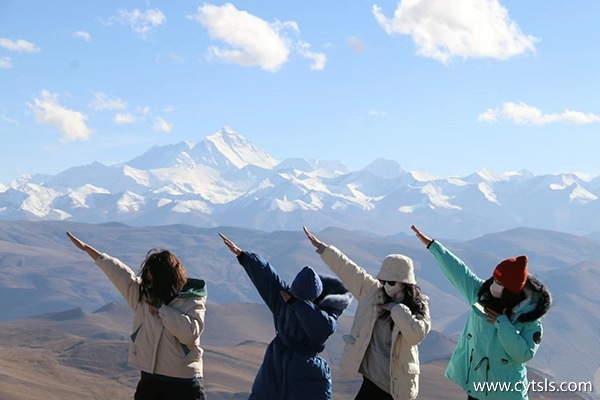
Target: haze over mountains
[[225, 179]]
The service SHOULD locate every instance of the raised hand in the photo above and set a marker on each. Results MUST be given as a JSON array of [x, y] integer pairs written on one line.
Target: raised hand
[[232, 246], [84, 246], [424, 239], [313, 239], [78, 243]]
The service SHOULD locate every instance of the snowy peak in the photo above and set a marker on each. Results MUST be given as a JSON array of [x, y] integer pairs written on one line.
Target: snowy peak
[[224, 149], [162, 157], [225, 179], [234, 149]]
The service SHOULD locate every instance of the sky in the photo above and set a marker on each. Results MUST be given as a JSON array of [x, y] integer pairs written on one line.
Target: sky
[[447, 87]]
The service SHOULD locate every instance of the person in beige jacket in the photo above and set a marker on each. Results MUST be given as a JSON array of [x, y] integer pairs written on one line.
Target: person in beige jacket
[[391, 320], [168, 319]]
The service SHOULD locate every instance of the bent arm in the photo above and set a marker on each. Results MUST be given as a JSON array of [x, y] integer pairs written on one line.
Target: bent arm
[[520, 346], [356, 279], [265, 279], [186, 327], [317, 324], [457, 272], [413, 329]]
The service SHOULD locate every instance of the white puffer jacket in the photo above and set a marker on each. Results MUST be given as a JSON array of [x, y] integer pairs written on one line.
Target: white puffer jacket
[[408, 330], [167, 343]]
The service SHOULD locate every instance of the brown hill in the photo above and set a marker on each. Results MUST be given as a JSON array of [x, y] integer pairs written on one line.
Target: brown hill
[[77, 355]]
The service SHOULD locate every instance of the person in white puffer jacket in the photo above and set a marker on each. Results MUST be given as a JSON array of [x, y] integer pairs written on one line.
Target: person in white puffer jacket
[[391, 320], [168, 319]]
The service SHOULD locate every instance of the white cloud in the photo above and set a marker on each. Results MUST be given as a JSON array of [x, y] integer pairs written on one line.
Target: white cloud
[[161, 125], [124, 118], [48, 111], [443, 29], [5, 63], [318, 59], [103, 102], [523, 114], [19, 46], [9, 120], [141, 22], [85, 36], [252, 41], [489, 115]]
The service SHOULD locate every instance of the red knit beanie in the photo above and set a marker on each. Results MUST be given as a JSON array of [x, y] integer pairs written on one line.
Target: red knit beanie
[[512, 273]]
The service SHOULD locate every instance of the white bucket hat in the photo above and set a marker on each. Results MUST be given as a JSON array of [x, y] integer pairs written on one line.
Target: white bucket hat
[[397, 267]]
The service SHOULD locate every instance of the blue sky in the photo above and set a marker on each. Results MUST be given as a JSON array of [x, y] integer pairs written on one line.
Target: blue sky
[[449, 87]]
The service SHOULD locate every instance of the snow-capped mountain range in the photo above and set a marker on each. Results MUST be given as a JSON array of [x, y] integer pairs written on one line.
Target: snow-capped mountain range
[[227, 180]]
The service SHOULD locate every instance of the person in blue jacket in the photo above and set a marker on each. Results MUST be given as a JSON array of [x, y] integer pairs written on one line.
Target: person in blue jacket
[[503, 330], [305, 315]]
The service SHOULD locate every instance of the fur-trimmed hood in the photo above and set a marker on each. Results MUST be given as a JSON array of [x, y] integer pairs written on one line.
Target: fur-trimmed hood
[[335, 298], [536, 304]]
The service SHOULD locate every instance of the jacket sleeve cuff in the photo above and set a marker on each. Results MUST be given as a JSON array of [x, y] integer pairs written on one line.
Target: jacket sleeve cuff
[[321, 248]]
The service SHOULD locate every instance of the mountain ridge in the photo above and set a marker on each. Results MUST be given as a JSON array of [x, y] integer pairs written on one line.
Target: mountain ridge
[[225, 179]]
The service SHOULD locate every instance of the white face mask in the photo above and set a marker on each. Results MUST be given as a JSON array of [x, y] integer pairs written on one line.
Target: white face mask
[[496, 290], [392, 291]]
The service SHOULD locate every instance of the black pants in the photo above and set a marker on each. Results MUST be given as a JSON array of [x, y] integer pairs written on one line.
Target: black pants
[[471, 398], [152, 388], [370, 391]]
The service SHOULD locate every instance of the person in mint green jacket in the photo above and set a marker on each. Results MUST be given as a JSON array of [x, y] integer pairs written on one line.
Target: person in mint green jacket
[[503, 330]]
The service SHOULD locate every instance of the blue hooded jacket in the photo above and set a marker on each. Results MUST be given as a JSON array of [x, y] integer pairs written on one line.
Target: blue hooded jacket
[[291, 369]]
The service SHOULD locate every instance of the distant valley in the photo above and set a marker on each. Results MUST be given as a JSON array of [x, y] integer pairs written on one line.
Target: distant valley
[[42, 273]]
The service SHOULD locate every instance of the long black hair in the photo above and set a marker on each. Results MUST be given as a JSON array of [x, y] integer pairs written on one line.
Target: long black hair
[[414, 300]]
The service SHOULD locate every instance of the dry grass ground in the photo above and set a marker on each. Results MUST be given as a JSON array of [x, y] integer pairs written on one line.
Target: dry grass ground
[[81, 356]]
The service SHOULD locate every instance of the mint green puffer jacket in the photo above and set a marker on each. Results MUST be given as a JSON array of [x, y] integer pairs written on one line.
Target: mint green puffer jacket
[[493, 354]]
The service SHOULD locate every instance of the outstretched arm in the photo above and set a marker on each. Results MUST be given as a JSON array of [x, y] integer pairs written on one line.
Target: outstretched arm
[[124, 279], [261, 273], [356, 279], [457, 272]]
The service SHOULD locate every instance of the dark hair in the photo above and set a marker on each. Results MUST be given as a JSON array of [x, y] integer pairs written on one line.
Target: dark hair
[[168, 275], [413, 299]]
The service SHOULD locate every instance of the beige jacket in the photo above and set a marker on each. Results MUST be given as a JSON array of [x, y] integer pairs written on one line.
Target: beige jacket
[[408, 331], [167, 343]]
